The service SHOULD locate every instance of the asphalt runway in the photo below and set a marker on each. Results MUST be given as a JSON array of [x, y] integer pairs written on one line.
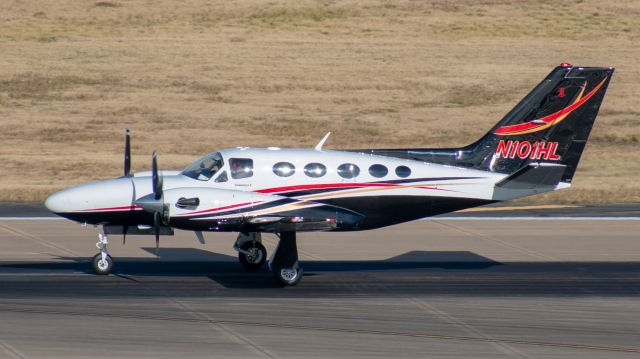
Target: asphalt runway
[[481, 288]]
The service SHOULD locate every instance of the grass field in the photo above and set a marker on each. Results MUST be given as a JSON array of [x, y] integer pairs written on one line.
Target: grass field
[[189, 77]]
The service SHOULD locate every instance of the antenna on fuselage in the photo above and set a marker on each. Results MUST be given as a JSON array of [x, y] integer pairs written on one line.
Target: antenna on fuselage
[[322, 141]]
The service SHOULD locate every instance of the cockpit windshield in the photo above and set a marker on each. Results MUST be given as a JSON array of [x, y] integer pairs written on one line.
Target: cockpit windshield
[[204, 168]]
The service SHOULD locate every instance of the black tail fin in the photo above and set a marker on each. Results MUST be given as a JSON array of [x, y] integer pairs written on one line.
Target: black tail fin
[[551, 124]]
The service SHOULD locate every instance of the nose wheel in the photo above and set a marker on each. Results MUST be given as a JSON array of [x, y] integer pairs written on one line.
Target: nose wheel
[[102, 263], [102, 266]]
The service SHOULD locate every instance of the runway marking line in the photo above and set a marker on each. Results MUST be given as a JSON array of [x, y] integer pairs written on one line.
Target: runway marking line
[[31, 218], [11, 350], [230, 333], [469, 329], [335, 329], [497, 241], [517, 208], [238, 338], [529, 218], [39, 240]]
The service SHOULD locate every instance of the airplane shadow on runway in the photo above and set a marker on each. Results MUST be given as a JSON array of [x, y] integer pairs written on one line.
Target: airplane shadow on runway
[[197, 262], [412, 273]]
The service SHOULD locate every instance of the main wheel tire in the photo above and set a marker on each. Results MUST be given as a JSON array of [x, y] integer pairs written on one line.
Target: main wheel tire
[[288, 276], [256, 259], [102, 267]]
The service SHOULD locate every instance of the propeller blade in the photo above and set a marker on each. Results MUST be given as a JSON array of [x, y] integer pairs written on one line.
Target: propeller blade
[[127, 152], [159, 190], [124, 234], [156, 177], [154, 170], [156, 227]]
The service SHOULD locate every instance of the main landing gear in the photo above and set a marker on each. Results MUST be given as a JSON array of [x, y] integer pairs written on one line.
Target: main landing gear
[[251, 252], [102, 263], [284, 264]]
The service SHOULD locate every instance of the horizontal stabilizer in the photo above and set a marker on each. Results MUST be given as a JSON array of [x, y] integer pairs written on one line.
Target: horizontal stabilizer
[[534, 175]]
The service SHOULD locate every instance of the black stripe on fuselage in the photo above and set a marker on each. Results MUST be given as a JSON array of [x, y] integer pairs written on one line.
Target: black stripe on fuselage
[[382, 211], [378, 211], [257, 207], [427, 179], [306, 192], [110, 217]]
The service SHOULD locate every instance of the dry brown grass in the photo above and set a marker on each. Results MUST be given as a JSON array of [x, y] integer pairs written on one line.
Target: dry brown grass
[[194, 76]]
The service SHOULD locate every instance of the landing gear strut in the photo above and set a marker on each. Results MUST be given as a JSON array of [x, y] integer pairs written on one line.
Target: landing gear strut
[[285, 265], [102, 263]]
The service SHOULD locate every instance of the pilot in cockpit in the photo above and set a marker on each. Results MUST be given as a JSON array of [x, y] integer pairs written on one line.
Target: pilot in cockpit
[[204, 168]]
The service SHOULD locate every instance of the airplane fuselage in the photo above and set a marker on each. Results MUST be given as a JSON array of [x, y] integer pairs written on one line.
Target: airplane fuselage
[[275, 181]]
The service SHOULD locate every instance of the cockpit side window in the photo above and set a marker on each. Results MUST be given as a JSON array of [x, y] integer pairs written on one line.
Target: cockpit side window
[[241, 167], [222, 178], [204, 168]]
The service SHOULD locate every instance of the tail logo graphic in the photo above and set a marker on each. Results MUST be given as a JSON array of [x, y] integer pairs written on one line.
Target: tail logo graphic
[[550, 120], [525, 149], [561, 93]]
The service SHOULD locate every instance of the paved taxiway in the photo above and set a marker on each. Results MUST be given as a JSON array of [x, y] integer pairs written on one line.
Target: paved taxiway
[[437, 288]]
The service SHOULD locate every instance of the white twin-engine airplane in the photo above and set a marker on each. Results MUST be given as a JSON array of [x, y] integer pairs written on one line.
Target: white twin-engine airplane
[[535, 148]]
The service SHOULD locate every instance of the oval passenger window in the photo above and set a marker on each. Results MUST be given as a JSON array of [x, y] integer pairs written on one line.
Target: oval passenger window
[[403, 171], [348, 170], [284, 169], [378, 171], [315, 170]]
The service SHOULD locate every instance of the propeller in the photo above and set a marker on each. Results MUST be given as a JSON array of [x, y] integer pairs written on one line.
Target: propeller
[[156, 177], [154, 202], [158, 195], [127, 171], [127, 153]]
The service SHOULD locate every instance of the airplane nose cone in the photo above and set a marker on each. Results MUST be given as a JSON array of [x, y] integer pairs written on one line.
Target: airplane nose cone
[[81, 201], [58, 202]]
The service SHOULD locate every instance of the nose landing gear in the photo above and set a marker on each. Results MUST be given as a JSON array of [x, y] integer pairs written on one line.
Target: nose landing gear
[[102, 263]]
